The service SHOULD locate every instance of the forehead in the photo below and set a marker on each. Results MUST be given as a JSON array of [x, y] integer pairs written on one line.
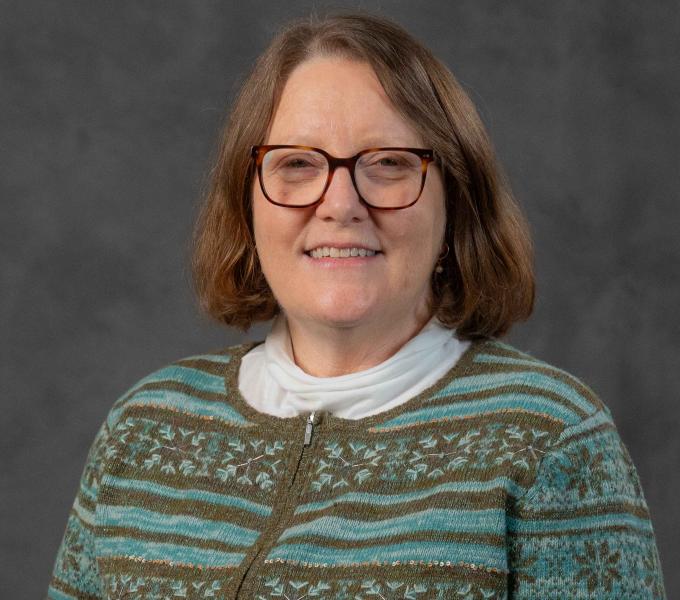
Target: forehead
[[338, 101]]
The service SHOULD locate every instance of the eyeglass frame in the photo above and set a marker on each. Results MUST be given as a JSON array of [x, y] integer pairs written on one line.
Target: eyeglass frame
[[258, 153]]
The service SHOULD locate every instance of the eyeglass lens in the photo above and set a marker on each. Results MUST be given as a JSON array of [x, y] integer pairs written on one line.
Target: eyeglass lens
[[385, 178]]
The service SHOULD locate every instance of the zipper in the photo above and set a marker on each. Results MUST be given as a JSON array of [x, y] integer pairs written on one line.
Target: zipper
[[309, 429]]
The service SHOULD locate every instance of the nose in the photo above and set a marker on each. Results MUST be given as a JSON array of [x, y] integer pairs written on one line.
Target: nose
[[341, 201]]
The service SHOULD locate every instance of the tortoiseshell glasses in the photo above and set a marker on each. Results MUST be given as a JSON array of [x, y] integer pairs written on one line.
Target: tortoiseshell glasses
[[298, 176]]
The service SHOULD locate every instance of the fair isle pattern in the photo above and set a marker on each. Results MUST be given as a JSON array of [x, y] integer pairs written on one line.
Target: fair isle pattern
[[505, 479]]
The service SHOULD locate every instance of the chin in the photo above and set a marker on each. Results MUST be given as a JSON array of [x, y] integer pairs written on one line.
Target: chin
[[344, 320], [343, 316], [341, 306]]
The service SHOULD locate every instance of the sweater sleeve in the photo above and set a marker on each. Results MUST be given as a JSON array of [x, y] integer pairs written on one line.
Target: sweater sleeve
[[583, 529], [75, 573]]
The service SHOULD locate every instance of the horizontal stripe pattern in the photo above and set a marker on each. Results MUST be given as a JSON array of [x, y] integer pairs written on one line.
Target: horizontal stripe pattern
[[465, 521], [181, 401], [383, 500], [505, 459], [488, 556], [599, 522], [189, 494], [497, 403], [200, 379], [528, 379], [165, 551], [184, 525], [85, 515]]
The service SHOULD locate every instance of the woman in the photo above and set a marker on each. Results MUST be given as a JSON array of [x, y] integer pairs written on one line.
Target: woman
[[382, 441]]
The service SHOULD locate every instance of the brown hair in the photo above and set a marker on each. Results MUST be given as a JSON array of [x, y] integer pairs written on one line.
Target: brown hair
[[487, 282]]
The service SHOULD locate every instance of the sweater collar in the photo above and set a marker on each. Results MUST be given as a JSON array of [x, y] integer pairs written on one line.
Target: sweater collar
[[290, 390]]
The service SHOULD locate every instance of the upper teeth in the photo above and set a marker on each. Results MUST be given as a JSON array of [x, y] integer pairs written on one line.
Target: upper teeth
[[340, 252]]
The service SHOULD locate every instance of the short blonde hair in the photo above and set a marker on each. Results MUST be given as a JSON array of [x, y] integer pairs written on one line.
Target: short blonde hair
[[487, 282]]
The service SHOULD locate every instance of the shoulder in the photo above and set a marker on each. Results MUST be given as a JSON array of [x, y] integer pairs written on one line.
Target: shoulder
[[529, 383], [557, 410], [193, 383]]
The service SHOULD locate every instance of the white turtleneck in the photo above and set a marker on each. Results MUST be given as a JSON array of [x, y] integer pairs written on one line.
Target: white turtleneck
[[272, 383]]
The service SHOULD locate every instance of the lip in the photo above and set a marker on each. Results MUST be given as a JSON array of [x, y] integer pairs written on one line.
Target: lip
[[341, 245]]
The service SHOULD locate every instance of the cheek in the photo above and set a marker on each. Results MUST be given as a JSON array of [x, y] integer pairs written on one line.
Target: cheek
[[420, 233], [277, 232], [413, 254], [264, 239], [264, 221], [422, 244]]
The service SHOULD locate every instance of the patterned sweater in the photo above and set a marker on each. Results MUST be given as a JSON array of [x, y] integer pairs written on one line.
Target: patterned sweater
[[505, 479]]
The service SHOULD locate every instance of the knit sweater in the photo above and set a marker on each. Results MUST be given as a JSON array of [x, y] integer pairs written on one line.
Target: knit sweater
[[504, 479]]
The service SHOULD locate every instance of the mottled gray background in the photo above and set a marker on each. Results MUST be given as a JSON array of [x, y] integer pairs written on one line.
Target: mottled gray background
[[109, 114]]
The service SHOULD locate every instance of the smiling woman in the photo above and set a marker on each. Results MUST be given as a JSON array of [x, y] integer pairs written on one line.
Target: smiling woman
[[341, 305], [382, 440]]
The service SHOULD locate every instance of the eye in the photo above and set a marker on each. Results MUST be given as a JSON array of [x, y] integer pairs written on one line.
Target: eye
[[296, 163], [388, 162]]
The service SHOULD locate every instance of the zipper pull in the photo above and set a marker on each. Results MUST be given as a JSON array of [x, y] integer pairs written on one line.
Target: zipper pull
[[308, 428]]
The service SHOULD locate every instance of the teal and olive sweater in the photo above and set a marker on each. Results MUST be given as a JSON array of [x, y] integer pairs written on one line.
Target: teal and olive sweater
[[505, 479]]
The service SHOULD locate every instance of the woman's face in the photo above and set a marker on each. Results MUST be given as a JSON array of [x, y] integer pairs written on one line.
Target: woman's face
[[340, 106]]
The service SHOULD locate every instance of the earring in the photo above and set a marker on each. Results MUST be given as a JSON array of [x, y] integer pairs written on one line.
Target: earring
[[439, 268]]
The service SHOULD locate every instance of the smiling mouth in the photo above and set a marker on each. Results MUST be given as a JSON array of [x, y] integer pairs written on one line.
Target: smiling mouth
[[329, 252]]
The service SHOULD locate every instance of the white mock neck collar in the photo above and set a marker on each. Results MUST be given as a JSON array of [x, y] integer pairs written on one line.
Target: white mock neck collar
[[271, 382]]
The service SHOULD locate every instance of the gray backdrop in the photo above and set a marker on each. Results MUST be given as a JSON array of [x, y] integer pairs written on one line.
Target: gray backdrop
[[109, 114]]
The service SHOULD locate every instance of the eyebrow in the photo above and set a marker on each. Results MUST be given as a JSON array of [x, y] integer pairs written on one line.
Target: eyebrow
[[370, 142]]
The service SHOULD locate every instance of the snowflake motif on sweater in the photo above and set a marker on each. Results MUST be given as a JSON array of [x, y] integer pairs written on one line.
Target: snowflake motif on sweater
[[506, 479]]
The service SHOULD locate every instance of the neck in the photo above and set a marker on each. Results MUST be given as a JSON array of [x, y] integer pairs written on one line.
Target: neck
[[329, 351]]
